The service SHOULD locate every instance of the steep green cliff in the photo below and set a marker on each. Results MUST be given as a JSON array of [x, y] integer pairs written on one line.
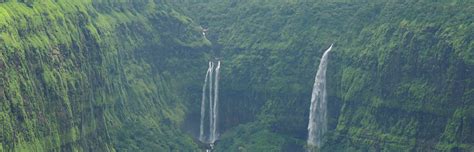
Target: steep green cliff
[[125, 75], [95, 75], [400, 76]]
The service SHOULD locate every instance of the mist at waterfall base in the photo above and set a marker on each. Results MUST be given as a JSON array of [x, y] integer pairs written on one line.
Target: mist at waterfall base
[[210, 88], [317, 125]]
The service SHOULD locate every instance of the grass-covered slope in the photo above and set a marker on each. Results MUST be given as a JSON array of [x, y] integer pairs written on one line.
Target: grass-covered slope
[[400, 77], [95, 75]]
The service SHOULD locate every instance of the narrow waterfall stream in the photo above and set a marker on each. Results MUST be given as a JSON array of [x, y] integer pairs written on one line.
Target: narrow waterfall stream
[[215, 103], [211, 101], [203, 104], [317, 125]]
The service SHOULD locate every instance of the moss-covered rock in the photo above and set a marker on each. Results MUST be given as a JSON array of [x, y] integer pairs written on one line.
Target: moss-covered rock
[[95, 75]]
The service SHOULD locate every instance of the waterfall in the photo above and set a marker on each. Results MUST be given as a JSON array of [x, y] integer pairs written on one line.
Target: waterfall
[[211, 107], [203, 103], [317, 125], [216, 101], [211, 83]]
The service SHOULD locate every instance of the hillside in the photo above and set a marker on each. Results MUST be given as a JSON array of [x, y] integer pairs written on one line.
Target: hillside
[[95, 75], [399, 76], [127, 75]]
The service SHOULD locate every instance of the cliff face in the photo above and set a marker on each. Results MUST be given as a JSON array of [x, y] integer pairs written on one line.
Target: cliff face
[[399, 76], [97, 75], [123, 75]]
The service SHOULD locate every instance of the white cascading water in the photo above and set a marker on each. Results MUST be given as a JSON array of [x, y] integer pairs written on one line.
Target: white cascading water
[[203, 104], [317, 125], [211, 80], [211, 107], [216, 101]]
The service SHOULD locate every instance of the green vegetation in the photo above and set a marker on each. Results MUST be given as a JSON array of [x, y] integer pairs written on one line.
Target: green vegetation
[[400, 75], [95, 75], [125, 75]]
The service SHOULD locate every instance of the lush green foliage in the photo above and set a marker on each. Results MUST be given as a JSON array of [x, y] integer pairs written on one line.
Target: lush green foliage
[[95, 75], [400, 75], [117, 75]]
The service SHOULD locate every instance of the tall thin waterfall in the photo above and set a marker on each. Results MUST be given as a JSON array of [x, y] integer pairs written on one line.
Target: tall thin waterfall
[[216, 101], [317, 125], [211, 84], [211, 107], [203, 103]]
